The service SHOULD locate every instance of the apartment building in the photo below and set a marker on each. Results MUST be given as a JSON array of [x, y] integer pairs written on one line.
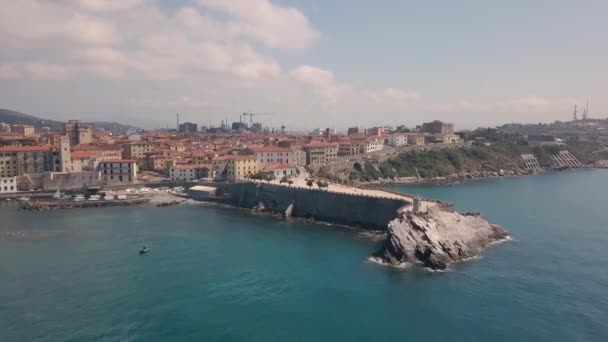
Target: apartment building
[[438, 127], [230, 168], [23, 130], [396, 140], [359, 146], [8, 185], [118, 171], [19, 160], [188, 173], [273, 155], [318, 153], [415, 138], [137, 150]]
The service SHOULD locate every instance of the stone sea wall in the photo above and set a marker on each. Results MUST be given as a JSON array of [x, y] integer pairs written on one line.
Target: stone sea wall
[[353, 210]]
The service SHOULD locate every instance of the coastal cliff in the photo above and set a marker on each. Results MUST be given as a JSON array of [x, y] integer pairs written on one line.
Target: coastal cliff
[[436, 238]]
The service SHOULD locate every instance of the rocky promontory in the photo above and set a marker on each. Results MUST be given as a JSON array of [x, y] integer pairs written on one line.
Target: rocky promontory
[[436, 238]]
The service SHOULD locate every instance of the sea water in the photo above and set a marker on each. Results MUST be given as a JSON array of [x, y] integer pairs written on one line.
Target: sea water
[[227, 275]]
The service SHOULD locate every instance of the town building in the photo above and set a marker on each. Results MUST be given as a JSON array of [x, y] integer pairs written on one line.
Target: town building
[[5, 128], [188, 127], [78, 132], [415, 138], [356, 131], [23, 130], [101, 151], [356, 146], [280, 170], [377, 132], [20, 160], [267, 155], [202, 157], [137, 150], [396, 140], [318, 153], [438, 127], [83, 161], [299, 158], [8, 185], [188, 173], [290, 143], [233, 167], [158, 162], [118, 171]]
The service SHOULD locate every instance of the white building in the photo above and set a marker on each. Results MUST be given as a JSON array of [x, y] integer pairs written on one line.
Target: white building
[[299, 157], [373, 145], [281, 170], [188, 173], [268, 155], [118, 171], [396, 140], [8, 185], [360, 146]]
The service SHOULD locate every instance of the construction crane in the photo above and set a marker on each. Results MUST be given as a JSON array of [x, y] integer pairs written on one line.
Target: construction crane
[[251, 115]]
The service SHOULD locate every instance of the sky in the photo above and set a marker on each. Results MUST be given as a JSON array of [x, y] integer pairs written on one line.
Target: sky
[[311, 64]]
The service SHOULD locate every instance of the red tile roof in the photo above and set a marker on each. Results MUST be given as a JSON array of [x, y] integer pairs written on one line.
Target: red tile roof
[[38, 148], [191, 166], [318, 144], [118, 161], [234, 157], [270, 149], [82, 154]]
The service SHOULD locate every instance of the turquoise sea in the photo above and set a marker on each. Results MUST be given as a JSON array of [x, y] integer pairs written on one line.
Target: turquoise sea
[[226, 275]]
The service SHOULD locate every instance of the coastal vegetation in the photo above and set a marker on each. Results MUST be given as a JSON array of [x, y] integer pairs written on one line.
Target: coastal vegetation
[[466, 160]]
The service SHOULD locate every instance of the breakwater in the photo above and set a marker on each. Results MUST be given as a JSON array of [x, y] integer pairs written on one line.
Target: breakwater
[[354, 210], [50, 205]]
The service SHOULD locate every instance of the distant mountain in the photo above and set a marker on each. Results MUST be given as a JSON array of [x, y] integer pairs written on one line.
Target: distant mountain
[[16, 118]]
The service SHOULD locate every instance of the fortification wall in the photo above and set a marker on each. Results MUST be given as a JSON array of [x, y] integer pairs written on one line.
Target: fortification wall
[[340, 208]]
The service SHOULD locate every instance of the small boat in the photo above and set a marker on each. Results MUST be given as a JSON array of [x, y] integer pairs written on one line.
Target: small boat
[[144, 250], [23, 199]]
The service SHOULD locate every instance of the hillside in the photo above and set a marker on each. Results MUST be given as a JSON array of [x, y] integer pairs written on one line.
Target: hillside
[[17, 118], [449, 162]]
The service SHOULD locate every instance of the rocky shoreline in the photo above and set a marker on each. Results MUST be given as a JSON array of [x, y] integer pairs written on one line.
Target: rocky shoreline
[[437, 238]]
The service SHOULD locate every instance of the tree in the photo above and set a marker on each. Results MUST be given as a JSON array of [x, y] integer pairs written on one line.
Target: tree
[[285, 179], [309, 182], [322, 184], [290, 182]]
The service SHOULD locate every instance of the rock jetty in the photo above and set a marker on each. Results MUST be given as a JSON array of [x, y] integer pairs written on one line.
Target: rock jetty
[[436, 238], [51, 205]]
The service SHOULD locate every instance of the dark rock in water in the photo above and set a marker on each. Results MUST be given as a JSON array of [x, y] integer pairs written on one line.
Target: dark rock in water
[[437, 238]]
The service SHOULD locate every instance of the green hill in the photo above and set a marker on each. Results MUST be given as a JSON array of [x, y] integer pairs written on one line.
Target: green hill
[[17, 118]]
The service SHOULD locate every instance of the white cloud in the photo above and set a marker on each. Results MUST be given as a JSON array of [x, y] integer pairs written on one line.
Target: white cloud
[[114, 39], [323, 82], [108, 5], [533, 103], [208, 56], [273, 25], [393, 94]]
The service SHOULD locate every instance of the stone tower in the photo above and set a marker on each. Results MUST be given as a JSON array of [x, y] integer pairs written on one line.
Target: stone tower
[[65, 155]]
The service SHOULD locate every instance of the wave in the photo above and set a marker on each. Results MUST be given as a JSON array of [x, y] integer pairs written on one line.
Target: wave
[[378, 261]]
